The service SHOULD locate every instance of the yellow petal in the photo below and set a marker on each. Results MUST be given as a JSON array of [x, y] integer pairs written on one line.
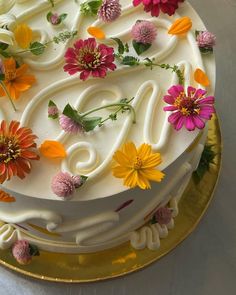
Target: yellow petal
[[143, 182], [181, 26], [144, 150], [131, 179], [120, 171], [52, 149], [23, 35], [96, 32], [201, 78], [121, 159], [151, 174], [130, 150], [152, 161]]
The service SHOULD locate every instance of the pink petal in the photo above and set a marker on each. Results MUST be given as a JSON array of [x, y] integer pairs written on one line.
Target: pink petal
[[179, 124], [198, 122], [199, 93], [207, 100], [169, 99], [136, 2], [174, 117], [191, 91], [175, 90], [170, 108], [189, 123], [84, 75]]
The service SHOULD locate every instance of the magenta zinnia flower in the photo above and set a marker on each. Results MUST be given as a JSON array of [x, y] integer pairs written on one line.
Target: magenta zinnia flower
[[155, 6], [89, 58], [191, 109]]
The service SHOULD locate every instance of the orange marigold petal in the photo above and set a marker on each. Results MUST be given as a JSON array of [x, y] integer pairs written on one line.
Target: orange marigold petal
[[96, 32], [9, 65], [52, 149], [5, 197], [21, 70], [23, 35], [181, 26], [201, 78]]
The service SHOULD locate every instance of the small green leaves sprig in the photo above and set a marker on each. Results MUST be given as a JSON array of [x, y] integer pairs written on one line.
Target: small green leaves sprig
[[90, 8], [89, 123], [207, 158], [130, 60], [38, 48]]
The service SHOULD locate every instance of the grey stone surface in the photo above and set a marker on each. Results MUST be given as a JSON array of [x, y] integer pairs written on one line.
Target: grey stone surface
[[206, 262]]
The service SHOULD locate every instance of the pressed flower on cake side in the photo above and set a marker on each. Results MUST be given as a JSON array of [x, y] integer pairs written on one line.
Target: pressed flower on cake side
[[137, 166], [89, 58], [17, 146], [189, 109]]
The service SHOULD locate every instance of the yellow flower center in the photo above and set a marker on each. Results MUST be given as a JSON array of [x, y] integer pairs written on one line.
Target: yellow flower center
[[186, 104], [138, 163]]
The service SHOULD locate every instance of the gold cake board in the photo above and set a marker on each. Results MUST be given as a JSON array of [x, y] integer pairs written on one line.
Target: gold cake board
[[79, 268]]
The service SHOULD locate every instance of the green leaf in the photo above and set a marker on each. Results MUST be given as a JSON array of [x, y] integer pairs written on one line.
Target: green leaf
[[90, 123], [63, 17], [72, 114], [49, 15], [197, 33], [206, 50], [51, 104], [2, 77], [140, 47], [5, 54], [90, 8], [34, 250], [3, 46], [121, 46], [130, 61], [153, 220], [37, 48], [207, 158]]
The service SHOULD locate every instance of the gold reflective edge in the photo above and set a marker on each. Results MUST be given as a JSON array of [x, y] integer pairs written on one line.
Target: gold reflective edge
[[81, 268]]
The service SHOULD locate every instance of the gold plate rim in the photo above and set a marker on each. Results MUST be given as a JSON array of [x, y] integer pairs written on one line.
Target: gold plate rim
[[214, 138]]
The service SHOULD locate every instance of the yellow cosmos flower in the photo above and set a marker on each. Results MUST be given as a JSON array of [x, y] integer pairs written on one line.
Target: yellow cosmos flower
[[23, 35], [137, 166]]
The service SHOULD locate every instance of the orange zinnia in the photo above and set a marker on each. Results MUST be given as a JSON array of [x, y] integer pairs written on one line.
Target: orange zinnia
[[16, 79], [137, 166], [16, 144]]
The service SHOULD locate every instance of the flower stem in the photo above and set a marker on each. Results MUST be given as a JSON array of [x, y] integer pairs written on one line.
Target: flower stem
[[8, 94], [121, 106]]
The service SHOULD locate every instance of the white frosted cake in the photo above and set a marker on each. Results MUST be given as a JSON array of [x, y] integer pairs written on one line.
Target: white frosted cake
[[108, 136]]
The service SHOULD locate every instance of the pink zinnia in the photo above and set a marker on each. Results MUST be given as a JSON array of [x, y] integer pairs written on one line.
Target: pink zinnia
[[144, 32], [89, 58], [155, 6], [69, 125], [191, 109]]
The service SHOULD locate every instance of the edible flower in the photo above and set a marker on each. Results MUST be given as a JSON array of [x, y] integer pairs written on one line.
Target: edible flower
[[17, 146], [23, 252], [137, 165], [189, 109], [156, 6], [109, 11], [88, 58], [52, 149], [205, 41], [16, 80], [23, 35]]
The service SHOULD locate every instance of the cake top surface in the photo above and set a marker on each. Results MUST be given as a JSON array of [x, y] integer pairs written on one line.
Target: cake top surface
[[134, 86]]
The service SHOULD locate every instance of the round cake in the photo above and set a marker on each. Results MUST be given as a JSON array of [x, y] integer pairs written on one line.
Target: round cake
[[103, 110]]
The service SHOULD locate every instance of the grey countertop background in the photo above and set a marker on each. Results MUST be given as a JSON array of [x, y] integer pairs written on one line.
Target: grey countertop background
[[205, 263]]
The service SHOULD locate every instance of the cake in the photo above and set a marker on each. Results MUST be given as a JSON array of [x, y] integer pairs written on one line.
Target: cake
[[112, 101]]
